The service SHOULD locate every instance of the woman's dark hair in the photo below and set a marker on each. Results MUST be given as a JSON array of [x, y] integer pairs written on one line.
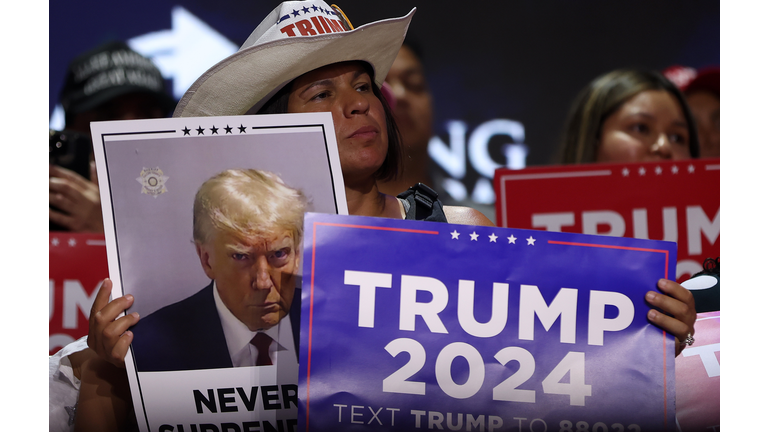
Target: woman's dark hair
[[603, 97], [390, 169]]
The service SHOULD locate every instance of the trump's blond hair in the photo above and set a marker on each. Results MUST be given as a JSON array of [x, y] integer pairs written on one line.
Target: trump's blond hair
[[247, 203]]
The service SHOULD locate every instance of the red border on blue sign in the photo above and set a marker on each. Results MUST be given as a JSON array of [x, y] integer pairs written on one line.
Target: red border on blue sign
[[312, 283], [597, 245]]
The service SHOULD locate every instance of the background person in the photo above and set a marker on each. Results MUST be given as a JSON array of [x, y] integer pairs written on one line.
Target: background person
[[412, 110], [109, 82], [411, 102], [629, 115], [702, 92]]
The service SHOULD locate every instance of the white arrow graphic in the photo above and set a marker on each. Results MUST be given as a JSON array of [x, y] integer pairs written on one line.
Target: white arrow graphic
[[182, 53], [185, 51]]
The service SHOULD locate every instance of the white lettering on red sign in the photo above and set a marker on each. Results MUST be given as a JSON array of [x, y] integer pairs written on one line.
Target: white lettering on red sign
[[697, 224]]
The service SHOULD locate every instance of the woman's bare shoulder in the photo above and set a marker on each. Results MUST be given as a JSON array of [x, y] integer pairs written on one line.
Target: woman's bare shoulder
[[465, 216]]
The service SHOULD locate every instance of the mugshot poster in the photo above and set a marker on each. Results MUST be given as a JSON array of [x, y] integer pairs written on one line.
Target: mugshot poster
[[149, 172], [412, 325], [677, 201]]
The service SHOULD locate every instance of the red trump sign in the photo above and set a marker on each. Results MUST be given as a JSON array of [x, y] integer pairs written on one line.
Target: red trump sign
[[77, 265], [676, 201]]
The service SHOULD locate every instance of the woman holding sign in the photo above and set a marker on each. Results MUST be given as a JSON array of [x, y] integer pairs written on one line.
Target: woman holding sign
[[629, 115], [313, 63]]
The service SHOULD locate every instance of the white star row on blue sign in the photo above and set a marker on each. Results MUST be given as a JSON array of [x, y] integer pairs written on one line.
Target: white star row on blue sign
[[492, 238]]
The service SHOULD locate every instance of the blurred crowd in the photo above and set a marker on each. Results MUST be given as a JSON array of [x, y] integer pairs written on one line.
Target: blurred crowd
[[621, 116], [109, 82]]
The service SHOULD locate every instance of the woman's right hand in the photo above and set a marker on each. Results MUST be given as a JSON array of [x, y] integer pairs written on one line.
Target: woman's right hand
[[108, 335]]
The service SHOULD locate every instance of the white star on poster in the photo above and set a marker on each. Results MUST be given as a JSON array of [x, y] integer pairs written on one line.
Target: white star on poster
[[454, 235], [55, 241], [72, 242], [625, 172], [511, 239], [691, 169], [531, 241], [474, 236], [658, 170], [493, 237], [674, 169], [641, 171]]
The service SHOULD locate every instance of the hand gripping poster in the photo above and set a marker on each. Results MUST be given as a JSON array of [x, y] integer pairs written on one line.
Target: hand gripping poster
[[410, 325], [203, 226]]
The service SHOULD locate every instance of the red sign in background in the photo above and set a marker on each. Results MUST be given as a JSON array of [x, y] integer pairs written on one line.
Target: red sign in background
[[672, 200], [77, 266]]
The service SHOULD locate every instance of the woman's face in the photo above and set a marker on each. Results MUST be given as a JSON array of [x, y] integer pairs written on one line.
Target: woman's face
[[346, 90], [649, 126], [705, 107], [413, 110]]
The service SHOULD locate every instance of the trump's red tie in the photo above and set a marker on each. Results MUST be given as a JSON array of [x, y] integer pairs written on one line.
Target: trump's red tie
[[261, 341]]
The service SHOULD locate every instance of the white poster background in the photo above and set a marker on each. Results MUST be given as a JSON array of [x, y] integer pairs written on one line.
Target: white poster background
[[149, 236]]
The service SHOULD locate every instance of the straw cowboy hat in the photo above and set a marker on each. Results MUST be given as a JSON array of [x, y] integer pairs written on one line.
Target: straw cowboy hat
[[295, 38]]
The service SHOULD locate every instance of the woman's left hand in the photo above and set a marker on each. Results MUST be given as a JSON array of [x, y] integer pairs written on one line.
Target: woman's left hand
[[676, 312]]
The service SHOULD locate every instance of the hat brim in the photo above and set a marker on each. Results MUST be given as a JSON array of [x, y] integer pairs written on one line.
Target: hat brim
[[245, 79]]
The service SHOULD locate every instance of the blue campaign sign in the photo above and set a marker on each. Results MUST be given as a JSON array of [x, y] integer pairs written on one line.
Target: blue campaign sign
[[411, 325]]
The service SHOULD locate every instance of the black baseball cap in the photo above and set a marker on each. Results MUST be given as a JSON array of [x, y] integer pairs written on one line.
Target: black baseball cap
[[108, 71]]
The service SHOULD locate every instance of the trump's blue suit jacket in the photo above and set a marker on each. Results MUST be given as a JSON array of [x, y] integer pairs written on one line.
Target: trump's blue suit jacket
[[187, 335]]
